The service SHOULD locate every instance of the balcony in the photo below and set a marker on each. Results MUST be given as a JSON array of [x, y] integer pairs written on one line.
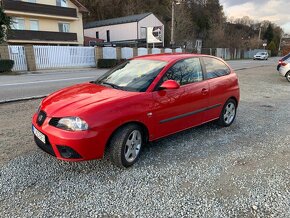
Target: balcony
[[35, 8], [42, 36]]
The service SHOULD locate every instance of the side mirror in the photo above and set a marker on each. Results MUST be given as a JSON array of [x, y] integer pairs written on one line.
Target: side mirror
[[170, 84]]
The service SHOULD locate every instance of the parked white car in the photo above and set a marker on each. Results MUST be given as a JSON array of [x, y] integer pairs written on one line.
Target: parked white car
[[261, 56], [284, 68]]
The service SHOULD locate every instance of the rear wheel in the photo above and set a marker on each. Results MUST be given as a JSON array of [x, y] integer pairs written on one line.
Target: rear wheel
[[288, 76], [228, 113], [125, 145]]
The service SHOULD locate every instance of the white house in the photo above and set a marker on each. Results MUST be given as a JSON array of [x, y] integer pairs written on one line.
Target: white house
[[124, 30]]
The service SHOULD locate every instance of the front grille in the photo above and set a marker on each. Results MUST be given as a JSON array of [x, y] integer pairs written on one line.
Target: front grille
[[41, 118], [46, 147], [54, 121]]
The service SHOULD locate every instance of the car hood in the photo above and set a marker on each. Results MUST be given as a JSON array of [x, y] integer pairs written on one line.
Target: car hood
[[74, 100]]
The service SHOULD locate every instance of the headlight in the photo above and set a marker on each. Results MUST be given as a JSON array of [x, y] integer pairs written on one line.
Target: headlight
[[72, 124]]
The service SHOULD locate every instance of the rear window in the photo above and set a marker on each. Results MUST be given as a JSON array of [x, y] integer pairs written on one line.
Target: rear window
[[215, 68], [286, 57]]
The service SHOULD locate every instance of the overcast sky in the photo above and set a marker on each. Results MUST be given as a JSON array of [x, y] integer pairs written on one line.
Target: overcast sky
[[277, 11]]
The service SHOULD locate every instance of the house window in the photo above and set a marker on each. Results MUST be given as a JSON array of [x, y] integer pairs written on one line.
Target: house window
[[143, 33], [18, 23], [63, 27], [34, 25], [61, 3], [97, 35], [108, 36], [32, 1]]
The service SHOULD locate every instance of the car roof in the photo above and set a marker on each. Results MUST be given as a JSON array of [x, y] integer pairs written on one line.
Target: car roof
[[169, 57]]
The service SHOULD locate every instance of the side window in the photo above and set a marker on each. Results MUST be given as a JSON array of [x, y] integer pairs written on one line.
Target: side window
[[215, 68], [185, 71]]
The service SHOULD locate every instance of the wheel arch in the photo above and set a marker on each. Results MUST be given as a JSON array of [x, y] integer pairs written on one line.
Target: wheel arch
[[235, 99], [142, 125]]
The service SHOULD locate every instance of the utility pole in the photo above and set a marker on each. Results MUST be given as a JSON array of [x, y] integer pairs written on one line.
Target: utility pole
[[260, 33], [172, 24]]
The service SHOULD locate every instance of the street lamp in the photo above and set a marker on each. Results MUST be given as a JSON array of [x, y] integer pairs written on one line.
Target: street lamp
[[174, 2]]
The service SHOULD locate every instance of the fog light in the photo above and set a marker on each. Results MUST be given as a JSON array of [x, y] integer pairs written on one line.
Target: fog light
[[68, 152]]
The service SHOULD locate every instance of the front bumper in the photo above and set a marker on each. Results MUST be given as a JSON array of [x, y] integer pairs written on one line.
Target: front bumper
[[68, 145], [260, 58]]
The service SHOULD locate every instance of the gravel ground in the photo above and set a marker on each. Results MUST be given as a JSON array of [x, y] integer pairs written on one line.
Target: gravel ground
[[240, 171]]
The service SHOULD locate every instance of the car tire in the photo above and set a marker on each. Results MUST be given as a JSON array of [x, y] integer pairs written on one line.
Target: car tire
[[125, 145], [228, 113], [288, 76]]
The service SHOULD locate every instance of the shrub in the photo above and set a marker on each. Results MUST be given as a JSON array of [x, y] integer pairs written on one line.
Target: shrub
[[6, 65], [109, 63]]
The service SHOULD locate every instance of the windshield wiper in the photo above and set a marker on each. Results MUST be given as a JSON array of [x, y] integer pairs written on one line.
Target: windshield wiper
[[112, 85]]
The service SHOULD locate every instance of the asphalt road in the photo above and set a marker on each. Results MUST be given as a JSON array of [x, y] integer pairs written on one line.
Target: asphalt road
[[42, 83]]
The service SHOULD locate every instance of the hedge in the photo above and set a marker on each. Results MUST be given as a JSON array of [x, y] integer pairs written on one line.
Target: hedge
[[6, 65], [109, 63]]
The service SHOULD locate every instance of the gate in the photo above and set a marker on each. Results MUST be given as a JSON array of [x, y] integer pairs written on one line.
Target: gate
[[49, 57], [17, 54]]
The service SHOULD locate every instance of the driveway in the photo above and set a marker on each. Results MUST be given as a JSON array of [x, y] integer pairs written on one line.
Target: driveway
[[239, 171]]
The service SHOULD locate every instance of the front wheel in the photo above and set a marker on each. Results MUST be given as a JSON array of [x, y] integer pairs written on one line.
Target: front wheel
[[228, 113], [125, 145], [288, 76]]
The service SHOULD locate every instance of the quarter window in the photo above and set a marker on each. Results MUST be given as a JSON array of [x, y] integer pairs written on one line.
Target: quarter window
[[185, 71], [215, 68]]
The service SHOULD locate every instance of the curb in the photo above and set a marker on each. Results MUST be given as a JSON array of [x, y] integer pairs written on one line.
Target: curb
[[22, 99]]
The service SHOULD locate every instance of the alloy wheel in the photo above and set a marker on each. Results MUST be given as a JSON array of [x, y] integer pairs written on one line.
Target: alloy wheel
[[229, 113], [133, 145]]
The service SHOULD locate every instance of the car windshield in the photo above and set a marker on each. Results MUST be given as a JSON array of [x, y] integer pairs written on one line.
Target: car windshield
[[133, 75], [261, 53]]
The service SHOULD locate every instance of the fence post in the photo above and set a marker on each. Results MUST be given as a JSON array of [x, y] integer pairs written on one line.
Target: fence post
[[99, 54], [162, 50], [4, 52], [118, 53], [149, 50], [135, 52], [30, 58]]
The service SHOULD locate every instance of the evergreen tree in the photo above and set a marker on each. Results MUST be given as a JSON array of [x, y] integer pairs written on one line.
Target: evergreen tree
[[5, 22], [269, 34], [272, 47]]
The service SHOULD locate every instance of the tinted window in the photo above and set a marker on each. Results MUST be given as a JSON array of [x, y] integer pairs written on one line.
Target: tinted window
[[215, 68], [286, 57], [185, 71]]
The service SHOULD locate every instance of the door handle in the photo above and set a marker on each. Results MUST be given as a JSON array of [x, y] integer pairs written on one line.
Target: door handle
[[204, 91]]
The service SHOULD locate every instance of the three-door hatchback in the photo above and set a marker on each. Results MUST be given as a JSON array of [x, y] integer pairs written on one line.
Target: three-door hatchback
[[141, 100]]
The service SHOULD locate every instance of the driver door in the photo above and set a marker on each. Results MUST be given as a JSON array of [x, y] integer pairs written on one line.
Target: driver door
[[178, 109]]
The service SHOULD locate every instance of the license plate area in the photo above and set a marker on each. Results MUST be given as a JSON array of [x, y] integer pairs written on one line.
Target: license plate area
[[38, 134]]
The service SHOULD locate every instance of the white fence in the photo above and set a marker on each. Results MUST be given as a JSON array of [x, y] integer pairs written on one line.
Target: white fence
[[126, 53], [49, 57], [142, 51], [17, 54], [109, 53]]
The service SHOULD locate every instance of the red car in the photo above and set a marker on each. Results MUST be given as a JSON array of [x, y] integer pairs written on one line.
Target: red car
[[141, 100]]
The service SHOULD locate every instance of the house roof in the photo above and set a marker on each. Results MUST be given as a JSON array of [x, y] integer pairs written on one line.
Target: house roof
[[119, 20], [80, 6]]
